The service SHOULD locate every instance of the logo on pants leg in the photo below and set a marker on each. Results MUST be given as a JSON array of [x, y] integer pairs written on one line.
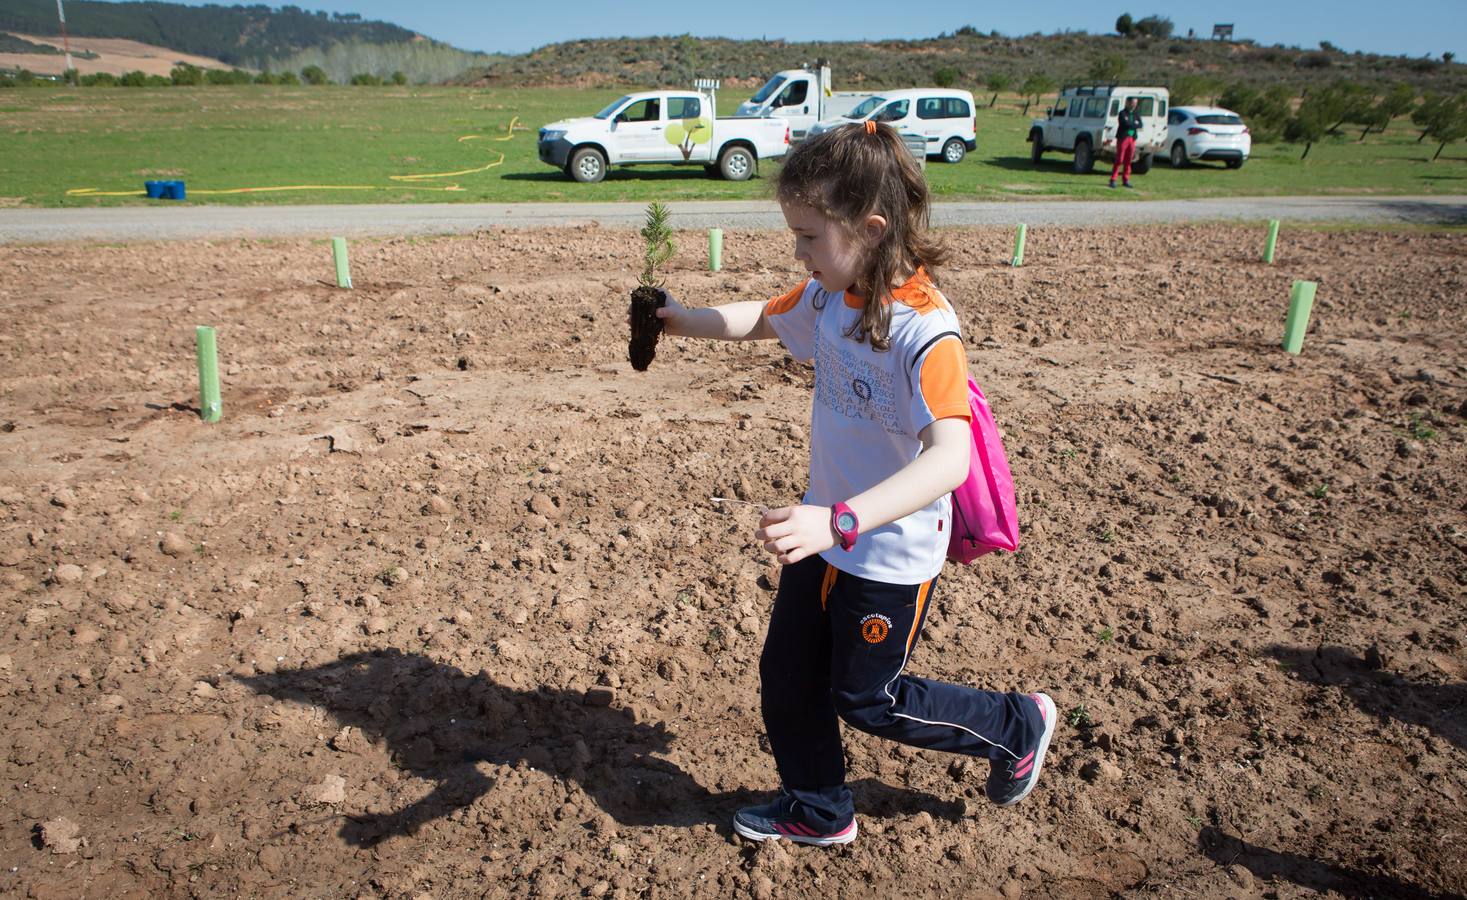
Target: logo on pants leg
[[875, 627]]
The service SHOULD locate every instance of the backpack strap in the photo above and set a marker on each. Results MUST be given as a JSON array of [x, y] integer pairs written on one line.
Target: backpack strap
[[928, 346]]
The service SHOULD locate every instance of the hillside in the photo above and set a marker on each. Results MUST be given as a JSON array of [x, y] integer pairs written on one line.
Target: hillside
[[241, 36], [972, 57]]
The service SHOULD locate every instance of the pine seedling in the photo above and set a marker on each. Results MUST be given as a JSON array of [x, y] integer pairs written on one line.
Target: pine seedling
[[648, 297], [659, 246]]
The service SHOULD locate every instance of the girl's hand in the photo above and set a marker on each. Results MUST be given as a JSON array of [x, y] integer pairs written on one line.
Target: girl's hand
[[669, 313], [792, 533]]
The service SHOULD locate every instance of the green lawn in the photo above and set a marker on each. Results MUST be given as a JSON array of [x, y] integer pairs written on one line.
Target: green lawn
[[223, 138]]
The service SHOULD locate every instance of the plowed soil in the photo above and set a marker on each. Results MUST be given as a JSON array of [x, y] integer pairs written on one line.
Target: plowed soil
[[441, 608]]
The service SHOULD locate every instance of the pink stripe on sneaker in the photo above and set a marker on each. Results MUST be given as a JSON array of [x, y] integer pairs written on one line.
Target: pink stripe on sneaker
[[1027, 758], [1023, 770], [802, 828], [781, 829], [1042, 714]]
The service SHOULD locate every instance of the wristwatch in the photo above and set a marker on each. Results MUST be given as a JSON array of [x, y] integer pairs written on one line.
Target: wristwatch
[[844, 523]]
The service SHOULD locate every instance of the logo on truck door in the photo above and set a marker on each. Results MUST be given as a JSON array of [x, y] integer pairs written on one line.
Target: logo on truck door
[[688, 133]]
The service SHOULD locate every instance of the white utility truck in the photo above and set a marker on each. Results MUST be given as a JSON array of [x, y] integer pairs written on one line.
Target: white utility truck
[[801, 97], [662, 127], [1083, 122]]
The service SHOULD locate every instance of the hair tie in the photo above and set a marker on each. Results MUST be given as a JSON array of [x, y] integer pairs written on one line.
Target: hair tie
[[870, 127]]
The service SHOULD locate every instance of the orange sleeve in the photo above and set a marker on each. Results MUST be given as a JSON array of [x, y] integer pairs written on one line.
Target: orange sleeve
[[945, 381], [786, 302]]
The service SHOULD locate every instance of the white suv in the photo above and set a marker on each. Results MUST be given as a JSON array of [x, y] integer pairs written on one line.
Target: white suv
[[1207, 132], [942, 116]]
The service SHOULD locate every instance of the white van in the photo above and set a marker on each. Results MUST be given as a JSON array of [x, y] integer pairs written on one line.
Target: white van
[[941, 115]]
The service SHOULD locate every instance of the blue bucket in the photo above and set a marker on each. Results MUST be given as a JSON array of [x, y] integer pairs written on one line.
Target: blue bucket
[[174, 191], [154, 189]]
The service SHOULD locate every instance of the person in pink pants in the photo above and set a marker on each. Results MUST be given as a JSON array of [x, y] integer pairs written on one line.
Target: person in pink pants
[[1128, 126]]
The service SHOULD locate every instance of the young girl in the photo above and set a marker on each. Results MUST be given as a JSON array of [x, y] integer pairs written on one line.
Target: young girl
[[889, 442]]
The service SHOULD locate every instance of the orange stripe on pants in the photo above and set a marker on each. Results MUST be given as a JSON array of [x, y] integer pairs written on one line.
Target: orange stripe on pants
[[917, 616], [827, 584]]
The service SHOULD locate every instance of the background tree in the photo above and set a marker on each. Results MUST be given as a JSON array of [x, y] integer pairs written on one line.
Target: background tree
[[314, 75], [945, 77], [998, 82], [1188, 88], [1424, 113], [1446, 122], [1311, 123], [1108, 68], [1034, 86], [1155, 26], [1267, 112], [1125, 25], [1400, 100]]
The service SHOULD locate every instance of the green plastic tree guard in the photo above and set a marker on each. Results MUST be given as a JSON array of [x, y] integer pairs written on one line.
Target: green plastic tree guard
[[343, 271], [715, 249], [211, 409], [1273, 238], [1301, 301], [1019, 237]]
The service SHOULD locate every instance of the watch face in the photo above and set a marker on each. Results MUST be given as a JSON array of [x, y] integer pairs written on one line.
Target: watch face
[[845, 521]]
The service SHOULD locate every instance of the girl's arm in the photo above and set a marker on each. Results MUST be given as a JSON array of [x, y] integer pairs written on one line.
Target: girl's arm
[[743, 321], [795, 532]]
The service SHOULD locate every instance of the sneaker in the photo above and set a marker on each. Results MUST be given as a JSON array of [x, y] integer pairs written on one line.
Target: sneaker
[[1128, 184], [1011, 780], [780, 820], [1112, 185]]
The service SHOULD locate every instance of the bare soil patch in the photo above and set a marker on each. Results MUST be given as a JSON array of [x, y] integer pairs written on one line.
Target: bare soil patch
[[441, 607], [114, 55]]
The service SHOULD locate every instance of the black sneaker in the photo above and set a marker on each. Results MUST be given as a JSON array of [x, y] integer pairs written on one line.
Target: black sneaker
[[1011, 780], [780, 820]]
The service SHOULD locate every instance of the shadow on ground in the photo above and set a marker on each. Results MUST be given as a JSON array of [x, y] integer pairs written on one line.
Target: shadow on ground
[[440, 723], [1440, 708], [1267, 865]]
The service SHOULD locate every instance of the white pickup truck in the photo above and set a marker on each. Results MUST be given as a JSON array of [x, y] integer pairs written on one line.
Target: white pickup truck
[[662, 127], [801, 97]]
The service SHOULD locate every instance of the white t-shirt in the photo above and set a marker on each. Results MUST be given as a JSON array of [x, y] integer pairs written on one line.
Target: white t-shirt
[[868, 409]]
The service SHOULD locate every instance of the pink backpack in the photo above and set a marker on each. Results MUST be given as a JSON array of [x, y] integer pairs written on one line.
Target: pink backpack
[[985, 516]]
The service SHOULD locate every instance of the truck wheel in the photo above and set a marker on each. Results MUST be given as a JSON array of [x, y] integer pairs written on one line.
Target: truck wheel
[[1142, 165], [587, 165], [1036, 150], [1084, 158], [736, 164], [1179, 155], [954, 151]]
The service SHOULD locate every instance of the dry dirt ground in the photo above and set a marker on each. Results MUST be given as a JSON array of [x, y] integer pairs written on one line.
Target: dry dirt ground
[[441, 608]]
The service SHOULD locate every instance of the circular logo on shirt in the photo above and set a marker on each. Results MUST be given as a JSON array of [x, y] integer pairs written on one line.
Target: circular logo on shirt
[[862, 388], [875, 627]]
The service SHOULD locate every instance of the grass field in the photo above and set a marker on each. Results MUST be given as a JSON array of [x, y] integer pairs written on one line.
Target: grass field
[[346, 143]]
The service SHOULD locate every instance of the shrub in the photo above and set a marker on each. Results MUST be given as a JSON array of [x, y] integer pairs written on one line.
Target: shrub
[[288, 78], [945, 77], [99, 79], [314, 75], [135, 78], [365, 78], [1125, 25], [186, 73], [1315, 61], [399, 78], [1108, 68]]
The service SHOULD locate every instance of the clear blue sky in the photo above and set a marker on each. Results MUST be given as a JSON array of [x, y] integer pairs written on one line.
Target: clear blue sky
[[1412, 27]]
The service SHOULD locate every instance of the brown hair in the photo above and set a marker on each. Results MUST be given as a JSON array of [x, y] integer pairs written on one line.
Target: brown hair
[[854, 171]]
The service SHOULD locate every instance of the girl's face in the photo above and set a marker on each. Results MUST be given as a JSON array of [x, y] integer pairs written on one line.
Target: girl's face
[[831, 254]]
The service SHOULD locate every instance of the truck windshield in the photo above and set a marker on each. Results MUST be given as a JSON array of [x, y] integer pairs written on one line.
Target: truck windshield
[[768, 90], [615, 105], [865, 107]]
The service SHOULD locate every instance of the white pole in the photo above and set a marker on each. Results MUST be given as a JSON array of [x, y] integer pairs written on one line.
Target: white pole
[[65, 41]]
